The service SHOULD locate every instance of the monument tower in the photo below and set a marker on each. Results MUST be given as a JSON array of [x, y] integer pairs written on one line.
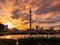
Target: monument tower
[[30, 20]]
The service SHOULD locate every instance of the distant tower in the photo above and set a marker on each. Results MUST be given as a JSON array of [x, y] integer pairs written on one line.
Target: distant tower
[[37, 29], [42, 28], [30, 20]]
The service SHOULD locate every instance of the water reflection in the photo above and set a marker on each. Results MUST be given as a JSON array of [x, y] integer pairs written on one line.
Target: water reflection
[[24, 36], [8, 37], [13, 36]]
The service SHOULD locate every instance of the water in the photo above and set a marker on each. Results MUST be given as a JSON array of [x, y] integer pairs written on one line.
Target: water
[[25, 36], [15, 37]]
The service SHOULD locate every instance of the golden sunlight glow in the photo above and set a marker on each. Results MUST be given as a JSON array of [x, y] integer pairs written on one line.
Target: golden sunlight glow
[[10, 26], [20, 18], [8, 37]]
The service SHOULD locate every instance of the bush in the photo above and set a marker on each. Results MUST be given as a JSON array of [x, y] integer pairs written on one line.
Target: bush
[[34, 41]]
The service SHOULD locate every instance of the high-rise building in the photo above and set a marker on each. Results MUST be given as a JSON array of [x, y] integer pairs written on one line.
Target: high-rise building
[[42, 28], [6, 27], [37, 29]]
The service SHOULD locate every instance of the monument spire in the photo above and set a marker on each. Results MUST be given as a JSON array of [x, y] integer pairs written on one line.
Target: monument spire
[[30, 20]]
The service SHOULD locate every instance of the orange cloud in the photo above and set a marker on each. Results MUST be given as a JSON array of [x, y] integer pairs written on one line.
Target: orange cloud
[[42, 12]]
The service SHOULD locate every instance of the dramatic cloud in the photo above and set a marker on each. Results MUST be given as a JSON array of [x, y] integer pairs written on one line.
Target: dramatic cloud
[[17, 12], [3, 1], [48, 10]]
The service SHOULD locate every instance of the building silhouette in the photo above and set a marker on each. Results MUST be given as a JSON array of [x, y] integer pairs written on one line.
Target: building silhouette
[[42, 28], [37, 29], [51, 28], [6, 27], [30, 20]]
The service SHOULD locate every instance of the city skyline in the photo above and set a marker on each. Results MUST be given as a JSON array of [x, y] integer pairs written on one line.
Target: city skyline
[[15, 13]]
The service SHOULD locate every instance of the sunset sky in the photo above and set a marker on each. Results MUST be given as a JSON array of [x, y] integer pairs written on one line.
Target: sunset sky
[[45, 13]]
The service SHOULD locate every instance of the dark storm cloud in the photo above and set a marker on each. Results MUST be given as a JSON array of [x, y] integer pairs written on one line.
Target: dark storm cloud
[[47, 8], [48, 22], [15, 14], [44, 22], [3, 1], [16, 2], [51, 20], [55, 19]]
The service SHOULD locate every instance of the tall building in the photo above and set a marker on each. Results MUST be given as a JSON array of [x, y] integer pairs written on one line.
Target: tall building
[[37, 29], [42, 28], [6, 27]]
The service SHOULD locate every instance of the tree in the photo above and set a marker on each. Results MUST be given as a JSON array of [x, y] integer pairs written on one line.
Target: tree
[[1, 27]]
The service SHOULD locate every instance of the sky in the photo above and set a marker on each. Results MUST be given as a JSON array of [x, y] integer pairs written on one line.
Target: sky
[[45, 13]]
